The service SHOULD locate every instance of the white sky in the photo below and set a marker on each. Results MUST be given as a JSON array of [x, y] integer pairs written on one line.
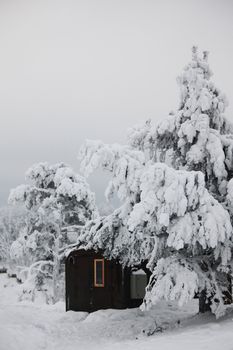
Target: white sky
[[77, 69]]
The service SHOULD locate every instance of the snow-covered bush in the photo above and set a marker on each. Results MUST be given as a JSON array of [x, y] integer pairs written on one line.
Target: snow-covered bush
[[56, 199], [174, 182]]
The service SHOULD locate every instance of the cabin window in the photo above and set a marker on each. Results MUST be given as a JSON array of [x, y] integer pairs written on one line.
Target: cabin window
[[99, 272], [138, 283]]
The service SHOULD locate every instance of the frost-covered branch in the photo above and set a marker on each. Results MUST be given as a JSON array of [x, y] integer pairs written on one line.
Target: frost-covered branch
[[122, 162]]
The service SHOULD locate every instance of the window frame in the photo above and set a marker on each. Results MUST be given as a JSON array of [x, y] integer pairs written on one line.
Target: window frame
[[99, 285]]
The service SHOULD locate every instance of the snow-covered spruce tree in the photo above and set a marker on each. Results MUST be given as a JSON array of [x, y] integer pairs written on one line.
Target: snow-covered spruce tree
[[198, 136], [177, 218], [56, 199]]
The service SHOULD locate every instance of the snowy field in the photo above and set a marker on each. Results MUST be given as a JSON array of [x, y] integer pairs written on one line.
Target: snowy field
[[27, 326]]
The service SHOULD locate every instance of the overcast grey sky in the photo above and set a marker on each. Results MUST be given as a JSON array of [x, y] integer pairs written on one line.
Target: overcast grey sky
[[77, 69]]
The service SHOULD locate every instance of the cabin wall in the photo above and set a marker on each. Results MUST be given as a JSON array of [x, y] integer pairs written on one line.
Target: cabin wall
[[82, 295]]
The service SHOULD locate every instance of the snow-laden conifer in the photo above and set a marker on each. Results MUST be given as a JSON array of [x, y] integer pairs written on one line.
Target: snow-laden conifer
[[57, 199], [174, 181]]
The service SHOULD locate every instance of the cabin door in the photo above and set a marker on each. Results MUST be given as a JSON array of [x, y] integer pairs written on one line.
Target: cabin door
[[78, 285]]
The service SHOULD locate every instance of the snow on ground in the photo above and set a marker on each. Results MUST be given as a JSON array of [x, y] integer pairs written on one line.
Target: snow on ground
[[28, 326]]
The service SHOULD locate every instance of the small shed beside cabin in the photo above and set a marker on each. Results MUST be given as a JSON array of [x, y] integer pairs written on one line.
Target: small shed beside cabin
[[94, 282]]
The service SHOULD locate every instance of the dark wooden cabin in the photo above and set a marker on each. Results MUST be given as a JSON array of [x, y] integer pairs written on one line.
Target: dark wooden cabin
[[93, 283]]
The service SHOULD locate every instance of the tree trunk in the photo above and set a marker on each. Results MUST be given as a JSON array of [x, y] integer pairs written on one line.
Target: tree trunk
[[204, 302], [56, 268], [228, 293]]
